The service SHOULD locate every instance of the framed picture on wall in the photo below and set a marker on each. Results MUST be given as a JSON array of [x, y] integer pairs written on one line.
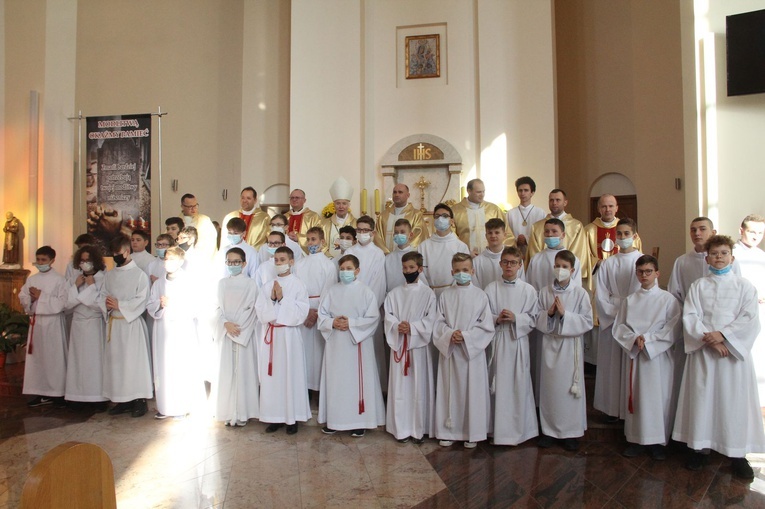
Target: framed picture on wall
[[423, 56]]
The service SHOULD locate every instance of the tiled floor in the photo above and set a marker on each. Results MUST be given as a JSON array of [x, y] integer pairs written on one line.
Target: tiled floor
[[198, 463]]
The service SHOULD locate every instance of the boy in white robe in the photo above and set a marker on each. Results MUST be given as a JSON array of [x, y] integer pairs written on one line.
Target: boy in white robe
[[44, 297], [437, 251], [84, 375], [139, 242], [350, 396], [279, 224], [615, 281], [282, 307], [402, 241], [565, 315], [487, 269], [719, 407], [410, 313], [127, 366], [462, 332], [237, 399], [156, 269], [346, 239], [692, 265], [173, 306], [267, 269], [513, 304], [235, 238], [646, 327], [319, 274], [81, 241]]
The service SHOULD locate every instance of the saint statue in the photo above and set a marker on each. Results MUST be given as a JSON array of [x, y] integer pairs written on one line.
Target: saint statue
[[11, 246]]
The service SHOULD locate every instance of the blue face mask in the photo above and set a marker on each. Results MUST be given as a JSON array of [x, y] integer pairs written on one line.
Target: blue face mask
[[161, 252], [400, 239], [314, 249], [552, 242], [347, 276], [462, 278], [234, 270], [442, 224], [234, 238], [272, 250], [720, 272]]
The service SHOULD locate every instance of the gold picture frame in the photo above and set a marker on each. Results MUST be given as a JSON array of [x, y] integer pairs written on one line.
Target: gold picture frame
[[423, 56]]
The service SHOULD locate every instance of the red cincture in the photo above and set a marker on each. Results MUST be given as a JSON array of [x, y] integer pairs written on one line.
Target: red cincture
[[269, 340], [404, 354], [361, 381], [630, 407], [31, 332]]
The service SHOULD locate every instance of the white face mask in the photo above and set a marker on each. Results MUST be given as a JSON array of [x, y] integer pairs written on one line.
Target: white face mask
[[345, 244], [279, 229], [86, 266], [364, 238], [562, 274], [625, 243], [282, 269], [442, 224], [172, 266]]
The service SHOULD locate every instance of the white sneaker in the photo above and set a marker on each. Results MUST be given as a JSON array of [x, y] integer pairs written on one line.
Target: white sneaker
[[446, 443], [470, 445]]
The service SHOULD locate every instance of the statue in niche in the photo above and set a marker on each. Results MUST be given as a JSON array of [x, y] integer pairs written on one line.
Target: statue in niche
[[11, 245]]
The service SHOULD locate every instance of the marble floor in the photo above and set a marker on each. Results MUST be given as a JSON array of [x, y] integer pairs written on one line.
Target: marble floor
[[195, 462]]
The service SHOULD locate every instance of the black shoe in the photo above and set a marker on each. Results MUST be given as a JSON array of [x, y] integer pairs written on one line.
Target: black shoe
[[358, 433], [742, 469], [657, 452], [77, 406], [121, 408], [273, 427], [100, 406], [59, 402], [610, 419], [696, 461], [139, 408], [633, 451], [328, 431], [571, 444], [418, 441], [545, 442], [39, 401], [403, 440], [291, 429], [160, 416]]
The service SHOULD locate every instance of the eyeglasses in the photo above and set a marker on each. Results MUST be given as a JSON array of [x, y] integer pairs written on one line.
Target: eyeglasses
[[234, 263], [195, 206], [363, 230], [276, 225], [646, 272], [511, 263], [161, 246], [444, 215], [275, 244], [719, 253]]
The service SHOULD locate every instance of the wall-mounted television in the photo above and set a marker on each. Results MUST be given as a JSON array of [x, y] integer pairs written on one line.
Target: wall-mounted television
[[745, 49]]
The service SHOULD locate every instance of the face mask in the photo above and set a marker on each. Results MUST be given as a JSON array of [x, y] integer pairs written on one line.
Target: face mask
[[279, 229], [234, 270], [43, 268], [234, 238], [411, 277], [345, 244], [624, 243], [160, 253], [314, 249], [185, 246], [347, 276], [442, 224], [561, 274], [717, 272], [364, 238], [86, 266], [400, 239], [272, 250], [120, 259], [462, 278], [172, 266], [552, 242], [282, 269]]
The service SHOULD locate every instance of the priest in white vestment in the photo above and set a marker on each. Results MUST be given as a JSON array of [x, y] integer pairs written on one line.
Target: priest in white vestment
[[463, 330], [514, 308], [410, 313]]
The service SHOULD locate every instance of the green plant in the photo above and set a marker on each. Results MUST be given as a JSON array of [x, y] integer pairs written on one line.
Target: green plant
[[14, 327]]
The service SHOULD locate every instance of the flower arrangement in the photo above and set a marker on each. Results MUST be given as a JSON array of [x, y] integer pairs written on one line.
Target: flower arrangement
[[13, 328], [328, 210]]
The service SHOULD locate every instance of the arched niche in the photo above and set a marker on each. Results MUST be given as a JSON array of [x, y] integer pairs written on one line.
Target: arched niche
[[621, 187]]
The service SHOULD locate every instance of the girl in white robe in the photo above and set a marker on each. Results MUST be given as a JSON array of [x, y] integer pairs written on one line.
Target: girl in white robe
[[411, 391], [237, 399], [84, 376], [350, 396]]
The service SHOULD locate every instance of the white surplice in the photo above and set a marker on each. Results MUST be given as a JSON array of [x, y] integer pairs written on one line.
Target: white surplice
[[319, 274], [143, 259], [178, 383], [437, 255], [350, 395], [236, 388], [411, 390], [615, 280], [751, 263], [719, 407], [250, 254], [281, 357], [127, 368], [394, 274], [84, 367], [514, 415], [656, 315], [519, 215], [562, 413], [462, 388], [45, 367]]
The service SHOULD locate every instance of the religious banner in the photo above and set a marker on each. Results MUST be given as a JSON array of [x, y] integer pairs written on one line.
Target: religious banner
[[118, 179]]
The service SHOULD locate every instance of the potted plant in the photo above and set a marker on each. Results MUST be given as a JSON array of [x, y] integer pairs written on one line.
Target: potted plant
[[14, 327]]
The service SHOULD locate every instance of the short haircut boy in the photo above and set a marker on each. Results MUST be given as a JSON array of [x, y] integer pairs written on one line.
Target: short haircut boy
[[46, 251], [237, 251], [366, 220], [627, 221], [318, 230], [462, 257], [752, 218], [175, 252], [176, 221], [512, 251], [85, 239], [495, 223], [443, 206], [557, 222], [350, 230], [141, 233], [718, 240], [236, 224], [526, 180], [412, 256], [278, 234], [647, 260], [566, 256], [285, 250], [119, 243], [349, 258], [403, 222], [192, 232], [167, 237]]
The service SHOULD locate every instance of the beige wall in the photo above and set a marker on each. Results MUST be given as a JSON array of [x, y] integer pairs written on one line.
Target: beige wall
[[620, 109]]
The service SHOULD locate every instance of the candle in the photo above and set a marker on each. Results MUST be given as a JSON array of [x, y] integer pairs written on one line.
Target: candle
[[377, 201], [462, 193], [364, 201]]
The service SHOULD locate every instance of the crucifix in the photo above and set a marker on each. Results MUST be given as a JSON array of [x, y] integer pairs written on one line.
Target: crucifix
[[422, 184]]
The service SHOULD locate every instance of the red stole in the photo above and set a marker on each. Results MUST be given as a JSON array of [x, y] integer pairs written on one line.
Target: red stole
[[295, 222], [606, 242], [247, 220]]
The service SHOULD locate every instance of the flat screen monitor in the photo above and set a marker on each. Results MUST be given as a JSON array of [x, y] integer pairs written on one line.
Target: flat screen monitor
[[745, 48]]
